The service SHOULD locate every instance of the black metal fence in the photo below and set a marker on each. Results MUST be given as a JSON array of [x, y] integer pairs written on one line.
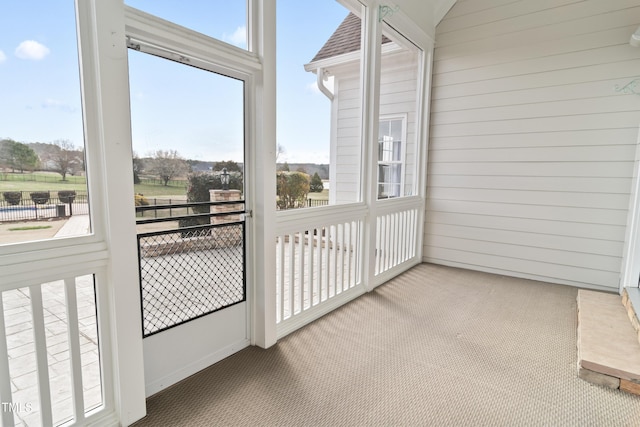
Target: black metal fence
[[191, 271], [182, 183], [36, 205], [159, 208]]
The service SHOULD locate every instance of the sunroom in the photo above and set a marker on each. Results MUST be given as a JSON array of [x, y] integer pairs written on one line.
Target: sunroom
[[487, 137]]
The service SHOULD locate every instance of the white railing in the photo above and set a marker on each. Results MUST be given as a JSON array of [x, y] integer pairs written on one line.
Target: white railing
[[318, 262], [51, 353], [397, 234]]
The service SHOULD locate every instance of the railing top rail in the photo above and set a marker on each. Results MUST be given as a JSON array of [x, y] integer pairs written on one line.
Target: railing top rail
[[192, 216], [299, 219], [185, 205]]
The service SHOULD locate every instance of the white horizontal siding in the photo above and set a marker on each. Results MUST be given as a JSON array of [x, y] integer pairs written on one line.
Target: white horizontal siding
[[622, 70], [554, 30], [346, 147], [398, 96], [538, 139], [522, 26], [532, 148], [560, 170]]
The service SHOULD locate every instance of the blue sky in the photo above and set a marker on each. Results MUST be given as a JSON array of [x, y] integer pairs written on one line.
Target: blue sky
[[173, 106]]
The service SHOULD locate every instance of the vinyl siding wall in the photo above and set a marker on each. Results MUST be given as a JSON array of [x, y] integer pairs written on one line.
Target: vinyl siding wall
[[398, 97], [532, 150], [346, 143]]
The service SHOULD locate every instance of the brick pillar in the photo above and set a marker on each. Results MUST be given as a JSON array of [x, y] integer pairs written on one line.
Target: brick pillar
[[227, 236]]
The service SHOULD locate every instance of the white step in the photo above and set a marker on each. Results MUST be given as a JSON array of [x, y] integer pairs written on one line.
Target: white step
[[608, 347]]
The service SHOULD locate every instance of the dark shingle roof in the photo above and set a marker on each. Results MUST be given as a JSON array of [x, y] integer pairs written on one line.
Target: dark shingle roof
[[345, 39]]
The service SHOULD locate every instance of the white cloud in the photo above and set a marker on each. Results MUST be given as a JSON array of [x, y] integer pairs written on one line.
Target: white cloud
[[58, 105], [31, 49], [238, 38], [3, 57]]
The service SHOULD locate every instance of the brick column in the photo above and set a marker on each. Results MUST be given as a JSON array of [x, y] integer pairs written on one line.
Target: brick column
[[226, 236]]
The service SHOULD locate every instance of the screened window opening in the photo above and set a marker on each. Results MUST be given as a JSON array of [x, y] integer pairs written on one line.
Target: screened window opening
[[43, 174], [398, 153], [318, 104], [220, 19]]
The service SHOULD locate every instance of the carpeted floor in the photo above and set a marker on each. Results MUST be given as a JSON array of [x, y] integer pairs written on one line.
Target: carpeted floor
[[436, 346]]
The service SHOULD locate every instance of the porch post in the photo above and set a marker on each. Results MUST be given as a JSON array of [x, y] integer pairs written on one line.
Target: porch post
[[370, 113], [262, 16], [106, 81]]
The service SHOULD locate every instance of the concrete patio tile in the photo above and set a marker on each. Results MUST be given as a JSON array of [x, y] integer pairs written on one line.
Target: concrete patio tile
[[91, 377], [58, 349], [32, 418], [92, 398], [27, 396], [26, 381], [90, 357], [22, 365], [18, 328], [60, 388], [18, 318], [19, 339], [14, 310], [59, 369], [20, 350], [56, 327]]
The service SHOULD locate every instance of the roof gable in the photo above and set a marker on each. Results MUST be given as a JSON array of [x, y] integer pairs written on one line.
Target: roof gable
[[345, 39]]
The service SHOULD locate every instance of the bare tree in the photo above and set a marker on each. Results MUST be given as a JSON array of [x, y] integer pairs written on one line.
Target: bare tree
[[166, 165], [138, 167], [63, 157]]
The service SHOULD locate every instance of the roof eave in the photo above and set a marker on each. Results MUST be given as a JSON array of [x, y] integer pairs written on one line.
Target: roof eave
[[345, 58]]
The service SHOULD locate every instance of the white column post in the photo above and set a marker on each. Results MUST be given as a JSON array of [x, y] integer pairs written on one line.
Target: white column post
[[262, 152], [106, 82]]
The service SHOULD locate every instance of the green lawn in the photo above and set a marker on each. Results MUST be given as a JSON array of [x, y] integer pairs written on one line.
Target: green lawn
[[40, 181], [50, 181], [160, 190], [324, 195]]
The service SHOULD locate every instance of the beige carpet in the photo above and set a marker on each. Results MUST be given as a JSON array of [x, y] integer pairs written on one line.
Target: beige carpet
[[435, 346]]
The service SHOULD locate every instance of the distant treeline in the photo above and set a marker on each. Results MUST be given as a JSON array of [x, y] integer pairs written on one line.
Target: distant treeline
[[309, 168]]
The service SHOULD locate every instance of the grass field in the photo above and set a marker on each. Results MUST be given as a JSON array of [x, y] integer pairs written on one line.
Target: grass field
[[160, 190], [51, 181], [40, 181]]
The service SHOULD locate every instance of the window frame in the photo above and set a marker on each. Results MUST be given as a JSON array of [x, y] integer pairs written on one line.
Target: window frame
[[402, 118], [60, 255]]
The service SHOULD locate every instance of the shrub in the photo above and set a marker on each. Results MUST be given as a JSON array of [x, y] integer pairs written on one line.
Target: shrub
[[39, 197], [198, 188], [66, 196], [292, 189], [12, 197], [316, 185]]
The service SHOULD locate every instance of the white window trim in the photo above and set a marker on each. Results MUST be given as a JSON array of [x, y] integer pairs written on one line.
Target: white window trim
[[403, 154]]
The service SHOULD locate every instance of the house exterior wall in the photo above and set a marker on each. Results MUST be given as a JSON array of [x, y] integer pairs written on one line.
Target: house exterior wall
[[346, 146], [398, 96], [531, 153]]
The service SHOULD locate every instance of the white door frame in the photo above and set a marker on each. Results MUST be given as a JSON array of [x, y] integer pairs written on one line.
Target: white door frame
[[153, 35], [630, 272]]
